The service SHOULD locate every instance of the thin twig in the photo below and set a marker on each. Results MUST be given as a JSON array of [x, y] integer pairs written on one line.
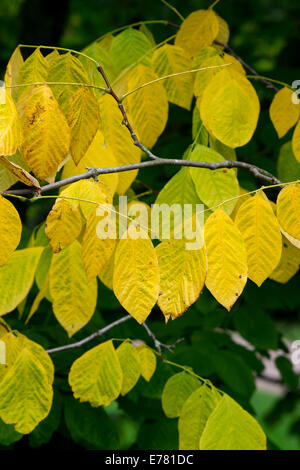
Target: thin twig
[[158, 344], [98, 333]]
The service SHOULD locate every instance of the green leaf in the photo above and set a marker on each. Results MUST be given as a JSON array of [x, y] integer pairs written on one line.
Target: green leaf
[[256, 327], [286, 370], [90, 427], [176, 391], [229, 427], [234, 373], [128, 47], [288, 168]]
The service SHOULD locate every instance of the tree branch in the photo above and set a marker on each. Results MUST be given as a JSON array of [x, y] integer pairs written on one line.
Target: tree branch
[[95, 172], [158, 344], [98, 333]]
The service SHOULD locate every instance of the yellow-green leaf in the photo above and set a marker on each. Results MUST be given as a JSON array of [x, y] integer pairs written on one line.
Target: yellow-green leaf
[[88, 194], [214, 186], [97, 376], [16, 277], [74, 298], [288, 213], [168, 60], [10, 126], [147, 362], [83, 117], [128, 47], [66, 68], [194, 415], [26, 387], [130, 365], [46, 132], [261, 232], [289, 262], [229, 427], [118, 138], [229, 108], [96, 251], [63, 224], [98, 155], [136, 275], [20, 173], [227, 259], [283, 112], [147, 107], [198, 30], [296, 141], [176, 391], [13, 70], [33, 70], [182, 276], [10, 230]]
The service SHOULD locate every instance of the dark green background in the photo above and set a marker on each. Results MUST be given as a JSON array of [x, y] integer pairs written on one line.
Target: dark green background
[[266, 34]]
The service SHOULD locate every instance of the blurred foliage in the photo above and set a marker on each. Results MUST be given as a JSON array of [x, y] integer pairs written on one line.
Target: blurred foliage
[[266, 35]]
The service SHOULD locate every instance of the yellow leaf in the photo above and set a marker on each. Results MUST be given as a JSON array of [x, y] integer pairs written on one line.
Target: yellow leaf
[[182, 276], [16, 277], [84, 121], [106, 276], [289, 262], [227, 259], [288, 213], [96, 252], [212, 57], [229, 108], [261, 232], [46, 132], [10, 126], [147, 361], [148, 107], [136, 275], [26, 387], [198, 30], [118, 138], [95, 193], [74, 298], [97, 376], [42, 271], [170, 59], [13, 70], [130, 365], [283, 113], [224, 33], [66, 68], [63, 225], [98, 155], [296, 141], [33, 70], [20, 173], [243, 196], [10, 230]]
